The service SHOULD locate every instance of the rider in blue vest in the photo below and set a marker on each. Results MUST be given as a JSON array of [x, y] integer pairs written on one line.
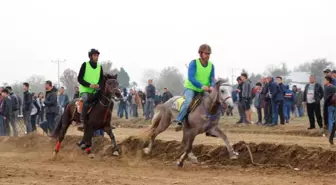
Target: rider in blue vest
[[201, 73]]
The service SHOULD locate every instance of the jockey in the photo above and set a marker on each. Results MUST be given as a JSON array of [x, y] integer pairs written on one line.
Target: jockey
[[201, 73], [90, 77]]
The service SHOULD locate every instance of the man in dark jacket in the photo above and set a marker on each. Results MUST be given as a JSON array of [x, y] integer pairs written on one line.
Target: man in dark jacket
[[6, 110], [241, 104], [15, 110], [312, 95], [267, 101], [26, 107], [51, 106], [166, 95], [150, 96], [277, 98]]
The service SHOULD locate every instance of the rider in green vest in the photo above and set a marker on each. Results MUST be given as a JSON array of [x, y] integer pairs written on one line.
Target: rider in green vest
[[90, 77], [201, 73]]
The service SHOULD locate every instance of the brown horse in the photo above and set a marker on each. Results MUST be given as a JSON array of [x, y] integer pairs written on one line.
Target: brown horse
[[202, 117], [99, 116]]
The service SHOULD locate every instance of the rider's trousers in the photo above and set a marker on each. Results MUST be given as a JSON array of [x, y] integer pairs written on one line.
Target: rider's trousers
[[188, 95]]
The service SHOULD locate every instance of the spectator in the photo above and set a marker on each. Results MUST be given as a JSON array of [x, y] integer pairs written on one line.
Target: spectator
[[258, 101], [332, 74], [129, 103], [63, 99], [6, 110], [277, 98], [135, 103], [150, 96], [332, 120], [15, 110], [247, 96], [40, 102], [289, 100], [328, 108], [76, 94], [158, 98], [312, 95], [123, 104], [242, 115], [143, 101], [35, 112], [267, 101], [51, 106], [166, 95], [20, 103], [298, 103], [26, 107]]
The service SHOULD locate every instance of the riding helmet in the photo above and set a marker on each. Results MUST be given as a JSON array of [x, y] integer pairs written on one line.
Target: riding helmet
[[204, 48], [93, 51]]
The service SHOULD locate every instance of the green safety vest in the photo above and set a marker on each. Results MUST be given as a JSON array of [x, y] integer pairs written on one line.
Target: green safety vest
[[202, 75], [91, 76]]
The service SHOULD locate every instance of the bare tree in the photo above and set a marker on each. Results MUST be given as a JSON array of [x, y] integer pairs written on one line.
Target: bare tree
[[69, 80], [149, 74], [36, 83], [280, 70], [171, 78]]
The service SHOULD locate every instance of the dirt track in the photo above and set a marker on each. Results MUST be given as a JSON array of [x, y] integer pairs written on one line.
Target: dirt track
[[27, 160]]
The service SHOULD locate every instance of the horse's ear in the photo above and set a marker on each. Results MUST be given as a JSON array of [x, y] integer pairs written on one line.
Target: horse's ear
[[114, 76]]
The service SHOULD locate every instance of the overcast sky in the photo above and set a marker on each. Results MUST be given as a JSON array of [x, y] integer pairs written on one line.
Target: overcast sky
[[141, 34]]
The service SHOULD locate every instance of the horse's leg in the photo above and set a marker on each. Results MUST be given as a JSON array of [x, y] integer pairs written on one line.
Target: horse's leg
[[217, 132], [160, 123], [63, 126], [189, 138], [115, 148], [191, 156], [87, 138]]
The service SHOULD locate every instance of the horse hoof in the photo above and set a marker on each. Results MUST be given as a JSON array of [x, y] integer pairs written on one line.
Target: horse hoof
[[54, 155], [179, 164], [91, 156], [147, 150], [115, 153], [194, 160]]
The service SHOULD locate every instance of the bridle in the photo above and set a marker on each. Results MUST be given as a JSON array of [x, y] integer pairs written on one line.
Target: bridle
[[108, 91]]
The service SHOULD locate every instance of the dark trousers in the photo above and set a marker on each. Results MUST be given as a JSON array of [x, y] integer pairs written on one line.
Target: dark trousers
[[332, 133], [123, 109], [33, 122], [259, 112], [277, 110], [268, 112], [325, 115], [6, 126], [50, 117], [314, 108], [241, 111]]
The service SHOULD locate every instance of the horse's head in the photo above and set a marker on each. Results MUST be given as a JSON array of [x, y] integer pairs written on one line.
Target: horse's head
[[223, 90], [111, 86]]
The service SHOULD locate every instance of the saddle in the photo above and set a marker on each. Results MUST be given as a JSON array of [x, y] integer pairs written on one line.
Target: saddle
[[196, 101], [79, 106]]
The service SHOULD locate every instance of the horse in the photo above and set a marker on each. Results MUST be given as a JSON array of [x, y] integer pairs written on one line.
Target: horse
[[203, 117], [99, 116]]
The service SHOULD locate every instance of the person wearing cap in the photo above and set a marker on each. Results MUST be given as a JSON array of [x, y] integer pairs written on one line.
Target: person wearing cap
[[90, 77], [332, 74], [201, 73]]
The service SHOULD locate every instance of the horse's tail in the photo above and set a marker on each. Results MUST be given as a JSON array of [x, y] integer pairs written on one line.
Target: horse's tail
[[161, 118]]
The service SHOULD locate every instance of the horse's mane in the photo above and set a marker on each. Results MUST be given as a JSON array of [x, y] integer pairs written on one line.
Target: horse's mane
[[221, 81], [110, 76]]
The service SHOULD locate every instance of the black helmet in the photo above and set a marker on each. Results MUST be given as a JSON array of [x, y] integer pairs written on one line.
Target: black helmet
[[93, 51]]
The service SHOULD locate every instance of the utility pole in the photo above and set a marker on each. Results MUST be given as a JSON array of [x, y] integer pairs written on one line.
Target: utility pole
[[233, 73], [58, 70]]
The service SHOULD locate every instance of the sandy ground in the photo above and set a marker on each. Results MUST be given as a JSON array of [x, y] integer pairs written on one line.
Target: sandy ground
[[24, 162]]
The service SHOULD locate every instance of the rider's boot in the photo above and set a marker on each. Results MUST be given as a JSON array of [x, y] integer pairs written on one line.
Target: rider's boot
[[82, 117], [178, 126]]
